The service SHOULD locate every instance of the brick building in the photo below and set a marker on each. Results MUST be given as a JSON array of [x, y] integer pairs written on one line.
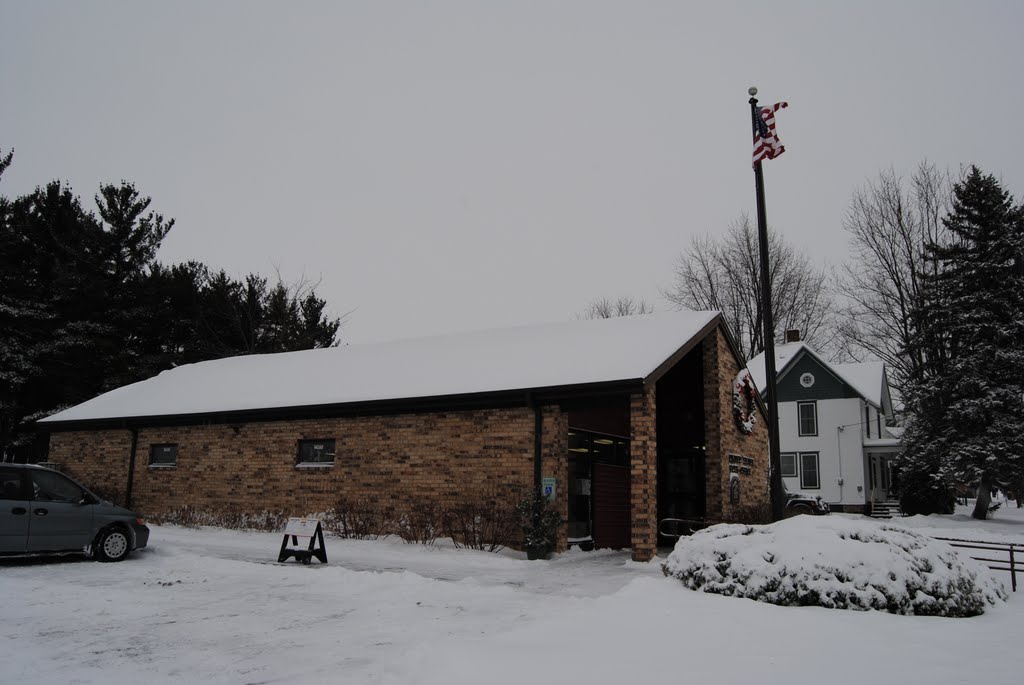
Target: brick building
[[629, 420]]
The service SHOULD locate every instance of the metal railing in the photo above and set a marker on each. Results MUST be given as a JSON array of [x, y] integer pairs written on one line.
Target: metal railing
[[676, 528], [1007, 564]]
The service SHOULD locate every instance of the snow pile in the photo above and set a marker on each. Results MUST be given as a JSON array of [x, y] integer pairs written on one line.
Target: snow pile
[[834, 562]]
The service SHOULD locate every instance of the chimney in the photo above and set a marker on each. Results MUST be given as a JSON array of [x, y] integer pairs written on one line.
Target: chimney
[[793, 335]]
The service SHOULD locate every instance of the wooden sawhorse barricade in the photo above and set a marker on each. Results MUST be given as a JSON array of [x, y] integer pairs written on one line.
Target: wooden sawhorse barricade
[[303, 528]]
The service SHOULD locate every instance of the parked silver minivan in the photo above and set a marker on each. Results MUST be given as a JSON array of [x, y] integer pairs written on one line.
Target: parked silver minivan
[[45, 512]]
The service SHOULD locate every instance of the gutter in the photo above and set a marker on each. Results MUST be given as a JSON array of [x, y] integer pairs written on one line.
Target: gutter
[[131, 469]]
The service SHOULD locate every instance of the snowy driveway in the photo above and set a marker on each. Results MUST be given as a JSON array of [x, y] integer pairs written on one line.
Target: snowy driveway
[[206, 606]]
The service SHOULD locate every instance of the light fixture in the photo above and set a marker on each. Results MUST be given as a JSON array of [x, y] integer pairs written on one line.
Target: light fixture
[[602, 441]]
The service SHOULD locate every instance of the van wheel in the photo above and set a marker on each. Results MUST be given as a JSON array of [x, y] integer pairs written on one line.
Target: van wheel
[[112, 545]]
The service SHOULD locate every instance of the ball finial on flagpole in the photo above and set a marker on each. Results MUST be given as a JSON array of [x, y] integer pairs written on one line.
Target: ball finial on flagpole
[[752, 91]]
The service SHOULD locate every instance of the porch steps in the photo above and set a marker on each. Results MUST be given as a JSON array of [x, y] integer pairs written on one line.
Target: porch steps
[[885, 510]]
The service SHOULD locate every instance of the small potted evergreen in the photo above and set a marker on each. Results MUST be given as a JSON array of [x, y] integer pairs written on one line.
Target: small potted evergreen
[[539, 522]]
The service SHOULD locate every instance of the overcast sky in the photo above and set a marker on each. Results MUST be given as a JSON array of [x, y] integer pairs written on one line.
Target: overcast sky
[[447, 166]]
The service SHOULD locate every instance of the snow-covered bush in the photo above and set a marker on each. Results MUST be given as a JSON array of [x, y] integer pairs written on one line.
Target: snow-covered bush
[[483, 520], [834, 562], [193, 517], [359, 519], [422, 523]]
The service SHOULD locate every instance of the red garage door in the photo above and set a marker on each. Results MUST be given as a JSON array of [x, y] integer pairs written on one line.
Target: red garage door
[[611, 506]]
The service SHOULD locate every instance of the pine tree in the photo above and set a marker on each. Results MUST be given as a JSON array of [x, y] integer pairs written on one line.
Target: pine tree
[[968, 403], [85, 307]]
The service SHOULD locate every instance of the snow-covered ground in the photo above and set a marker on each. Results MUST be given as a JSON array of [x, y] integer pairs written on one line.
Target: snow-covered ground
[[209, 606]]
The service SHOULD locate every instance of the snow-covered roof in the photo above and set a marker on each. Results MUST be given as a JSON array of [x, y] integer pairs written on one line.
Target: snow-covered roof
[[783, 355], [520, 358], [890, 443], [866, 378]]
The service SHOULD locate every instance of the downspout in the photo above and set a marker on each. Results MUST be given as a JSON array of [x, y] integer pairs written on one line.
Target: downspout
[[131, 469], [839, 453], [538, 431]]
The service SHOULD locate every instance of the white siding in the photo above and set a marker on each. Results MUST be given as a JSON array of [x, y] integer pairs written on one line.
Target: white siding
[[839, 451]]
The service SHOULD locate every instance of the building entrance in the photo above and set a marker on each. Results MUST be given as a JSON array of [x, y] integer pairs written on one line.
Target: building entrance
[[598, 490]]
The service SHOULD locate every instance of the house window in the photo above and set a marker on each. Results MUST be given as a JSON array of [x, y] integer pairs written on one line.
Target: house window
[[807, 415], [809, 479], [867, 420], [318, 452], [788, 465], [163, 456]]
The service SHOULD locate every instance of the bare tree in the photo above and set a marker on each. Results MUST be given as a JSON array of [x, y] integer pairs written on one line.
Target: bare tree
[[624, 306], [725, 274], [891, 221]]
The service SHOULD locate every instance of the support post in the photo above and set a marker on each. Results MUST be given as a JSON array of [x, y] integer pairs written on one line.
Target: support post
[[775, 466], [131, 469]]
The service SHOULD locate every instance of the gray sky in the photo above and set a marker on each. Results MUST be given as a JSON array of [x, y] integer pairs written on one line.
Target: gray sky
[[447, 166]]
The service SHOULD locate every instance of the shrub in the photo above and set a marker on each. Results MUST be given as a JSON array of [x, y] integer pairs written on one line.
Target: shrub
[[423, 523], [922, 492], [482, 520], [358, 519], [539, 523], [834, 562], [193, 517], [751, 513]]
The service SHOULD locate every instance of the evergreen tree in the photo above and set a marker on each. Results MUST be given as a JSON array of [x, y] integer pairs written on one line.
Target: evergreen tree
[[69, 299], [85, 307], [968, 402]]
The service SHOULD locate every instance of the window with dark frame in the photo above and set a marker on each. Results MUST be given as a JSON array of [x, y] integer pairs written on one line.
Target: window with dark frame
[[163, 455], [807, 418], [788, 464], [809, 478], [316, 452]]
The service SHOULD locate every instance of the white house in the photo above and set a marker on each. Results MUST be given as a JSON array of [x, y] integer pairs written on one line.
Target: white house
[[833, 437]]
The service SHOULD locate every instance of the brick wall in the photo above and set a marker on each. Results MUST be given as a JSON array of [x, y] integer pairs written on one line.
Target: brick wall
[[724, 437], [402, 460], [394, 461], [643, 487], [99, 459], [555, 463]]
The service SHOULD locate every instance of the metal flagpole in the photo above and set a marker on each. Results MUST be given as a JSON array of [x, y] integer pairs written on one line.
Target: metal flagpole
[[775, 470]]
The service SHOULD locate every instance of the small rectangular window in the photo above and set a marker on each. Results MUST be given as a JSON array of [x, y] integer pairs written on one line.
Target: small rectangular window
[[316, 452], [807, 416], [163, 456], [809, 479], [788, 465]]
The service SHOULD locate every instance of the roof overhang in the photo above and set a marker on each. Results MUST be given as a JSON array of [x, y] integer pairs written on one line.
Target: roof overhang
[[484, 400]]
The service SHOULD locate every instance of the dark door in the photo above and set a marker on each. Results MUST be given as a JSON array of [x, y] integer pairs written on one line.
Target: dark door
[[680, 490], [14, 505], [61, 516], [611, 506]]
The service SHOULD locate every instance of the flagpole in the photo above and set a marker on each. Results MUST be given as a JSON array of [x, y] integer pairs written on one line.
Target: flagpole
[[775, 465]]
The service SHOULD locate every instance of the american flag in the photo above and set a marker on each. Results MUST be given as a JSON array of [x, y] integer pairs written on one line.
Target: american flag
[[766, 141]]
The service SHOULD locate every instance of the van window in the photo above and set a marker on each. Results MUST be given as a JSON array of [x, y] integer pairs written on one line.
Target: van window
[[53, 487]]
